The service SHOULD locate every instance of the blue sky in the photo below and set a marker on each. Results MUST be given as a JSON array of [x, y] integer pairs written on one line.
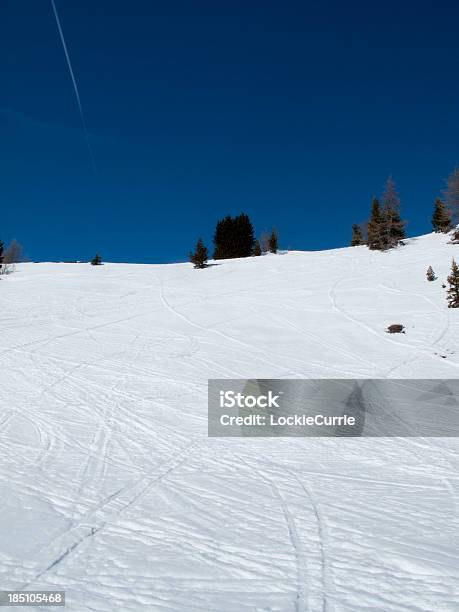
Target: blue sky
[[294, 112]]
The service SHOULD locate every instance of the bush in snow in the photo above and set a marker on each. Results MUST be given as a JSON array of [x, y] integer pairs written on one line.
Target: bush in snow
[[199, 256], [430, 274], [453, 290]]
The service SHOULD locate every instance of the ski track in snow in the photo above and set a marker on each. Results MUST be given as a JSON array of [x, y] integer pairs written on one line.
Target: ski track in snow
[[112, 491]]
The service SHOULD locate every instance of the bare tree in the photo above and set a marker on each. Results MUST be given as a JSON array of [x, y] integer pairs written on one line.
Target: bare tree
[[264, 241], [451, 194], [11, 256]]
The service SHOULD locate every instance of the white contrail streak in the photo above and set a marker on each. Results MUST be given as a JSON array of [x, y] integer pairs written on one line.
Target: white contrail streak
[[75, 87]]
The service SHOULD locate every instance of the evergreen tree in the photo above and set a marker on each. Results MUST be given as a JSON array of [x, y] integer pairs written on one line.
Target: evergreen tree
[[96, 260], [1, 255], [441, 218], [257, 249], [453, 291], [374, 229], [199, 257], [273, 241], [451, 194], [430, 274], [357, 238], [244, 236], [221, 238], [233, 237], [393, 228]]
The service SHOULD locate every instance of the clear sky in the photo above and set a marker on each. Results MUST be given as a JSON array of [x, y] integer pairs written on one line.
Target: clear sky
[[294, 112]]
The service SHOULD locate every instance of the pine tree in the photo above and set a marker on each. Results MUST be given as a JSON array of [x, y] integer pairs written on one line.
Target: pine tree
[[233, 237], [1, 255], [430, 274], [199, 257], [96, 260], [374, 229], [451, 194], [441, 218], [453, 291], [357, 238], [393, 228], [257, 249], [273, 242], [244, 236], [221, 238]]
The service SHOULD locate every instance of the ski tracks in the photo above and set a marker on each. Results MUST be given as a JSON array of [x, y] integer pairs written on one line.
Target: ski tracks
[[382, 336], [314, 586], [104, 513]]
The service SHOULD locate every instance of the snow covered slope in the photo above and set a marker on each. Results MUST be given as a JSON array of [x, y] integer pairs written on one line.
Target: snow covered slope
[[111, 490]]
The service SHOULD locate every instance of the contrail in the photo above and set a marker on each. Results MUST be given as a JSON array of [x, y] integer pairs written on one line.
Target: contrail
[[75, 87]]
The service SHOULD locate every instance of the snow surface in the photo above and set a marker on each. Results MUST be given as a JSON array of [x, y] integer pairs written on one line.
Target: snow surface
[[111, 490]]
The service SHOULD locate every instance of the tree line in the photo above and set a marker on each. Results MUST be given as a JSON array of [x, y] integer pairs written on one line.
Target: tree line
[[385, 228], [234, 237]]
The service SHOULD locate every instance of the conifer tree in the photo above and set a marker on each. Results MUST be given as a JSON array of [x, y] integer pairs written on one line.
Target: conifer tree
[[221, 238], [244, 235], [430, 274], [374, 229], [1, 255], [273, 241], [96, 260], [199, 256], [453, 290], [233, 237], [451, 194], [441, 218], [257, 249], [357, 238], [393, 228]]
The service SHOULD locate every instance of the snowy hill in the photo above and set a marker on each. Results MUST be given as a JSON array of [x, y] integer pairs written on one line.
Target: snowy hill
[[112, 491]]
